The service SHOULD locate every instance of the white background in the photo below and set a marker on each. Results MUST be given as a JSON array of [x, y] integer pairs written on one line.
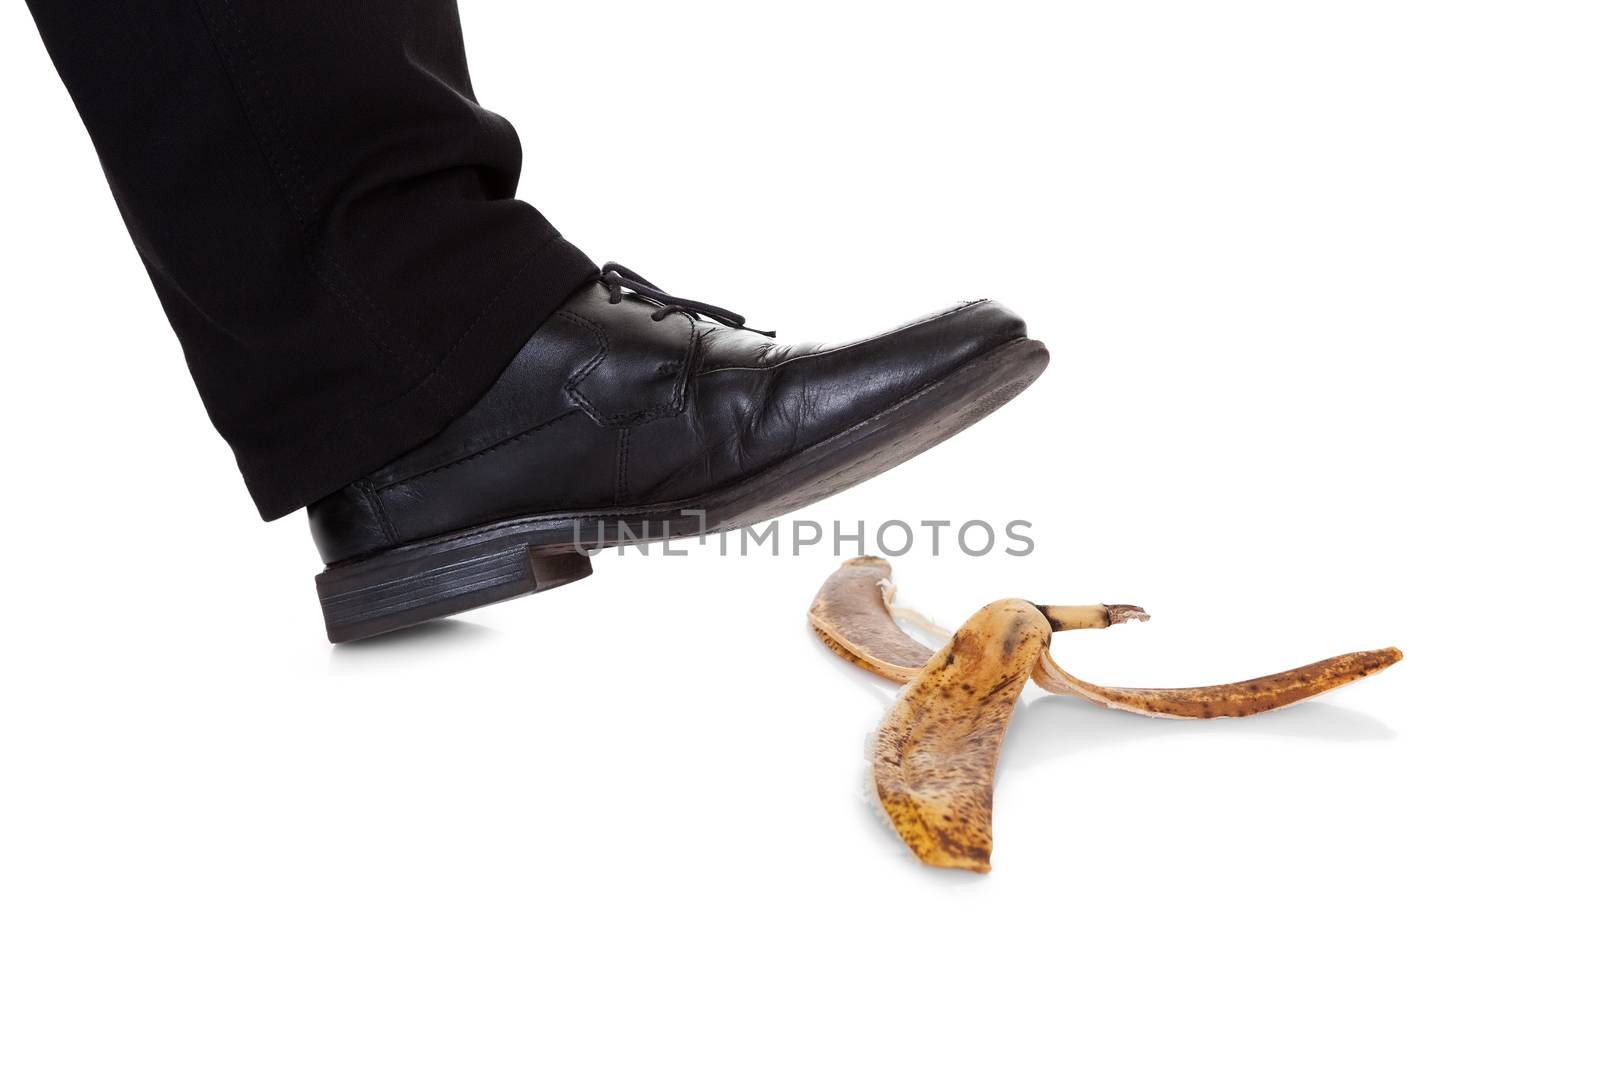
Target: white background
[[1320, 283]]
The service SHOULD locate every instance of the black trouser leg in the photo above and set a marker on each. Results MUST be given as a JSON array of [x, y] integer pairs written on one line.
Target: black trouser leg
[[326, 213]]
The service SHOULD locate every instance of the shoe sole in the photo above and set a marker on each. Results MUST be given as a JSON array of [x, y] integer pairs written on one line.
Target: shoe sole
[[445, 575]]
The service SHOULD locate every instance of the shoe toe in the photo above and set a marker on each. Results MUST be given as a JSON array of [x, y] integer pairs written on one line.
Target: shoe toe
[[752, 407], [824, 390]]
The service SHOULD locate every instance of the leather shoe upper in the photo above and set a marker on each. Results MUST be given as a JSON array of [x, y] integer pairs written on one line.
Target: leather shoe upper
[[621, 400]]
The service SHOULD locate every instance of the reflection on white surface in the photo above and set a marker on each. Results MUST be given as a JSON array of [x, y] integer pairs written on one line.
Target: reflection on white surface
[[439, 637], [1053, 727]]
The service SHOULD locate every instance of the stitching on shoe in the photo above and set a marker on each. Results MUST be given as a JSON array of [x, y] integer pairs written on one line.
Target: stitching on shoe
[[620, 490], [476, 455], [376, 502], [589, 364], [671, 407]]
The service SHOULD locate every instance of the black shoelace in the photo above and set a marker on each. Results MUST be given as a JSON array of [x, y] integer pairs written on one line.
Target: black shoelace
[[615, 277]]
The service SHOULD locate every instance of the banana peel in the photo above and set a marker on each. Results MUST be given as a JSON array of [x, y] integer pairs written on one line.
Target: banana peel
[[936, 751]]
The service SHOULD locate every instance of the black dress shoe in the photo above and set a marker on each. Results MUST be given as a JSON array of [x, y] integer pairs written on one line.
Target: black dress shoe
[[633, 414]]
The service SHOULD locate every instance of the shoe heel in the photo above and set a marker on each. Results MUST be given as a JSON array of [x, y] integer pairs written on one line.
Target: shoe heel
[[407, 586]]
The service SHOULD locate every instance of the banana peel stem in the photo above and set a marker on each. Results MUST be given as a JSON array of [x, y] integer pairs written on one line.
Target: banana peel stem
[[1090, 616]]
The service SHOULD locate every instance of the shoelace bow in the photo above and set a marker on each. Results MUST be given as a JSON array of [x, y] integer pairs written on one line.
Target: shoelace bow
[[615, 277]]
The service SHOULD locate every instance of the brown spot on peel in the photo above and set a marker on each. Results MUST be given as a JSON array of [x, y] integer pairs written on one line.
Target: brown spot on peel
[[1233, 700], [936, 752]]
